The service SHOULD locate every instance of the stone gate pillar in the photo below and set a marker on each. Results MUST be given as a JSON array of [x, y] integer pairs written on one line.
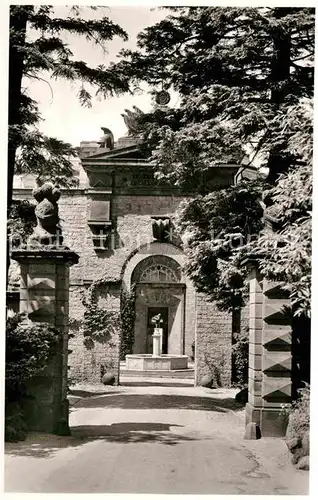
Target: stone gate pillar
[[44, 297], [270, 358]]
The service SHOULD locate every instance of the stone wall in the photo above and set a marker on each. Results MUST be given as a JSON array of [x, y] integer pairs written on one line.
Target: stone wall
[[213, 340], [132, 228], [131, 216], [88, 354], [132, 233]]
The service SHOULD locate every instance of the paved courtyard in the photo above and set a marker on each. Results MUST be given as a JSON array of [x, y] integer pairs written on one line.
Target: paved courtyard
[[152, 439]]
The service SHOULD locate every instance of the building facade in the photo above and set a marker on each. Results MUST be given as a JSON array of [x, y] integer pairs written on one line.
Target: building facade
[[120, 222]]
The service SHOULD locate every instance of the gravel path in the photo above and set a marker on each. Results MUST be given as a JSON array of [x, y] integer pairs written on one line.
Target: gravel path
[[152, 439]]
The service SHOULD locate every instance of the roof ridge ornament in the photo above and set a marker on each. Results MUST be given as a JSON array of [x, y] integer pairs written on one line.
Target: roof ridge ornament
[[107, 141], [131, 119]]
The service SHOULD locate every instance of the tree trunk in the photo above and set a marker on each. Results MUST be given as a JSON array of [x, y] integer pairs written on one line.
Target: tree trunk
[[18, 24], [278, 163]]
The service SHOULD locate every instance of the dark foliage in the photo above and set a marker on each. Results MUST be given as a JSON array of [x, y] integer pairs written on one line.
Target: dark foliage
[[217, 229], [238, 72], [46, 54], [21, 222], [99, 322], [29, 348], [245, 82], [127, 317]]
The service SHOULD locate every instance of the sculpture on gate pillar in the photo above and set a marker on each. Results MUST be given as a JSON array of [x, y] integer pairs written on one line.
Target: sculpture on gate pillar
[[48, 231], [44, 297]]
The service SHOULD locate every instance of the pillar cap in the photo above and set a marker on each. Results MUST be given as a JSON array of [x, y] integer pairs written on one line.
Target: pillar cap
[[63, 254], [251, 260]]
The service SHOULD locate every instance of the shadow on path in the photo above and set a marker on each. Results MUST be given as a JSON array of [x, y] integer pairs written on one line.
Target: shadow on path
[[160, 401], [87, 394], [38, 445], [132, 432], [41, 445]]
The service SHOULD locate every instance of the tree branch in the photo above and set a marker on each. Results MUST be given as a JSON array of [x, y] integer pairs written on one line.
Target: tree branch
[[28, 75]]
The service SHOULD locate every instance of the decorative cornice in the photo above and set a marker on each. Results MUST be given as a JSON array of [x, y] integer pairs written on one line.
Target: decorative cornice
[[129, 163], [28, 191], [251, 259], [97, 190], [63, 255]]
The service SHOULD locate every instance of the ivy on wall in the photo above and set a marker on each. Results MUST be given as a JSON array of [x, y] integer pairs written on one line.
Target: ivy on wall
[[127, 316], [240, 357], [99, 323]]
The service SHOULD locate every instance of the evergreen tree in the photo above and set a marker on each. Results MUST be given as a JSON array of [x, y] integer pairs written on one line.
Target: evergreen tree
[[29, 150], [237, 72], [245, 82]]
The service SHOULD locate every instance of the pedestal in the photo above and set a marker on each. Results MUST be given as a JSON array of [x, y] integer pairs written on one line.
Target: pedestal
[[270, 358], [44, 297], [157, 342]]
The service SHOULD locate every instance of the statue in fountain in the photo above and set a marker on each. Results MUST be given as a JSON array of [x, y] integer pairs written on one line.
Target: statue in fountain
[[157, 320], [157, 335]]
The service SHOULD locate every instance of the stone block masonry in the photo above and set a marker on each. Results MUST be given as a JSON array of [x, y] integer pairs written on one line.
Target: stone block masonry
[[132, 225], [213, 342], [270, 359], [131, 228], [44, 297]]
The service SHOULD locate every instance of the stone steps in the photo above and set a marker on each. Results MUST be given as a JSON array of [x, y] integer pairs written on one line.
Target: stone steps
[[187, 373]]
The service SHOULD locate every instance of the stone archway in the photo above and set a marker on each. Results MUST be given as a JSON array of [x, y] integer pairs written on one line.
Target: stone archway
[[159, 288]]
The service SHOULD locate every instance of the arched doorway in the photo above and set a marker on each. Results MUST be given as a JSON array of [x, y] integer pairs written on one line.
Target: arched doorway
[[159, 289]]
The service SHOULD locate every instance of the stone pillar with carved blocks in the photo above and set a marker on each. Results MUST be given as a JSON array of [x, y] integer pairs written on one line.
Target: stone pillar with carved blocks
[[44, 297], [270, 357]]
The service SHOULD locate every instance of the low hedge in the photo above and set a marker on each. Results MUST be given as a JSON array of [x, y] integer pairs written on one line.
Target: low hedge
[[297, 434]]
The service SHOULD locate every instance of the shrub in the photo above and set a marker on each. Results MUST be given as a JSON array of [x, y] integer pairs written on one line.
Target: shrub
[[21, 221], [214, 376], [299, 413], [29, 348], [297, 434], [15, 425]]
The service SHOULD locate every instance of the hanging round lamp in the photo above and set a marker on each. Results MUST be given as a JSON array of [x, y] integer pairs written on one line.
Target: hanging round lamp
[[162, 97]]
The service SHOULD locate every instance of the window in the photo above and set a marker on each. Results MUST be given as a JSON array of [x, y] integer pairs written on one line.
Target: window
[[158, 273]]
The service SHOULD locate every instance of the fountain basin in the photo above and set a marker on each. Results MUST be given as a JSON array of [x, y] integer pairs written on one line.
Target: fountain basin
[[144, 362]]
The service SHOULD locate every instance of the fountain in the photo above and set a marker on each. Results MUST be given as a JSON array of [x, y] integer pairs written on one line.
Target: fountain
[[156, 361]]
